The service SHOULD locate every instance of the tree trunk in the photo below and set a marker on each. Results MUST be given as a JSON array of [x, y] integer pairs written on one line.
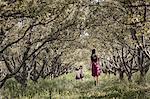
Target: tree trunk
[[130, 77], [142, 77], [121, 75]]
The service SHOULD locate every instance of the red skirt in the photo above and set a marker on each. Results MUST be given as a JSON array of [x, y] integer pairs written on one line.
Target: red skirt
[[95, 69]]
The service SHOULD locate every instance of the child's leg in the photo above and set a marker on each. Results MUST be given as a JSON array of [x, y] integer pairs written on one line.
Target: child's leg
[[97, 79], [94, 80]]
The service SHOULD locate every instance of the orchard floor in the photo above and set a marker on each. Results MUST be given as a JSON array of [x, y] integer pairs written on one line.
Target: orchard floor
[[66, 87]]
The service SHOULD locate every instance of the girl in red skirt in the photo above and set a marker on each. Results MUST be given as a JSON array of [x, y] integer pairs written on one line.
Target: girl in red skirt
[[95, 66]]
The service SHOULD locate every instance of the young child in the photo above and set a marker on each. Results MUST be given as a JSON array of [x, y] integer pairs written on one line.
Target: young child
[[77, 74], [81, 72]]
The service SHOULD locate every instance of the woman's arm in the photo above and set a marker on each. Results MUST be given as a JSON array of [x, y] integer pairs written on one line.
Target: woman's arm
[[98, 61]]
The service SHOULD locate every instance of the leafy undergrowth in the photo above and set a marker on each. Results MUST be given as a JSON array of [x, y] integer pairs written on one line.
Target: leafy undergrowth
[[66, 87]]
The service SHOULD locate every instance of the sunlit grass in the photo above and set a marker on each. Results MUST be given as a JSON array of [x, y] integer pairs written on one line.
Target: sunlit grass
[[66, 87]]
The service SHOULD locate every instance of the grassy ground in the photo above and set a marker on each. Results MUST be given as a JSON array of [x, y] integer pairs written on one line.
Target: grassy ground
[[66, 87]]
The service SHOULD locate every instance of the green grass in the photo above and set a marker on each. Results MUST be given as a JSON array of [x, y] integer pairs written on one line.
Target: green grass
[[66, 87]]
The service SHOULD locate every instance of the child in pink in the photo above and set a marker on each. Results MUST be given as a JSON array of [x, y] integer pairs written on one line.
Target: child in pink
[[95, 66]]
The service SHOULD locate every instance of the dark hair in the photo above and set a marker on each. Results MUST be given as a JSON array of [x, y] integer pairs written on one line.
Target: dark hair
[[94, 56], [81, 67], [93, 51], [76, 69]]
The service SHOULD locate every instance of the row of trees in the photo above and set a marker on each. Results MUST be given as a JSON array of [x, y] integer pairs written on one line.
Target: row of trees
[[40, 38], [35, 35], [122, 28]]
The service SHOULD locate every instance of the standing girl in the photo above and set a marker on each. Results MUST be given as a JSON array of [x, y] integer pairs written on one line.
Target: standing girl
[[95, 66]]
